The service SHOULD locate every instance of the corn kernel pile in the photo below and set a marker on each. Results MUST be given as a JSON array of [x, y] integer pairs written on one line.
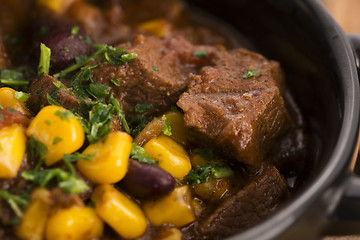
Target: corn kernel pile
[[103, 163]]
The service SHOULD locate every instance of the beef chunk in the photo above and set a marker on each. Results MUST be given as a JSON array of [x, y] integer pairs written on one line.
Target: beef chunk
[[9, 117], [241, 124], [158, 76], [228, 69], [238, 116], [43, 87], [249, 206]]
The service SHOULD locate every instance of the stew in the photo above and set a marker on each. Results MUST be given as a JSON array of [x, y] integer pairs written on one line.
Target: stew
[[135, 119]]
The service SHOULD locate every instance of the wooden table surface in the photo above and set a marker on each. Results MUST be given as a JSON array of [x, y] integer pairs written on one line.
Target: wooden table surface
[[346, 13]]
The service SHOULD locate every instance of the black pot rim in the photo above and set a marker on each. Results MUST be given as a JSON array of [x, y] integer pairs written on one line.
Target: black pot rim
[[338, 167]]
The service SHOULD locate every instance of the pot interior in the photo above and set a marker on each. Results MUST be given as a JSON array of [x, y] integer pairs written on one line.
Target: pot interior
[[294, 33]]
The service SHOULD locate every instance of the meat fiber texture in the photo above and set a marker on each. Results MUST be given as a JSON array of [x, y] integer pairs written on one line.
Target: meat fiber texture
[[158, 76], [240, 116], [252, 204]]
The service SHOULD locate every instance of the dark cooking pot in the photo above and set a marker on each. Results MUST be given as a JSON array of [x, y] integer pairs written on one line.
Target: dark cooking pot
[[322, 75]]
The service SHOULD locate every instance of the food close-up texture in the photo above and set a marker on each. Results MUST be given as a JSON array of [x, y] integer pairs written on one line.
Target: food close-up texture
[[138, 119]]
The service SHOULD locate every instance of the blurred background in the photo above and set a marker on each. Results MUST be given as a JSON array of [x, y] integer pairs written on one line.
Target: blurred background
[[346, 12]]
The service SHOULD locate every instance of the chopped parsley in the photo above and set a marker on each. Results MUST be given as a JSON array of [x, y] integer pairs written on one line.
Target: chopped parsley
[[251, 73], [12, 78], [167, 128], [16, 202], [155, 68], [98, 121], [75, 30], [76, 156], [51, 100], [203, 174], [64, 115], [138, 153], [200, 54], [98, 90], [57, 140], [57, 84], [116, 82], [66, 181], [21, 96], [36, 151], [44, 63], [106, 54], [142, 107]]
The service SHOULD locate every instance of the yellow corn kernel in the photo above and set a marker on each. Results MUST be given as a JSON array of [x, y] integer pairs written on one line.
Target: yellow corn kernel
[[171, 155], [177, 126], [197, 160], [169, 234], [8, 100], [174, 208], [32, 226], [59, 130], [110, 157], [120, 212], [214, 190], [12, 150], [74, 223], [56, 6], [159, 27]]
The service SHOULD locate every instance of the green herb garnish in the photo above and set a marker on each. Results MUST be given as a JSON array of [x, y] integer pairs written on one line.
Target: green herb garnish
[[44, 63], [200, 54], [155, 68], [251, 73], [116, 82], [138, 153], [142, 107], [21, 96], [203, 174], [66, 181], [36, 151], [57, 140], [12, 78], [76, 156], [16, 202], [75, 30], [167, 129]]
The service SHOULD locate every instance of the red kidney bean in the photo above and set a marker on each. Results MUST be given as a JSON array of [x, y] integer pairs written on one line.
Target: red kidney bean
[[145, 180], [66, 43]]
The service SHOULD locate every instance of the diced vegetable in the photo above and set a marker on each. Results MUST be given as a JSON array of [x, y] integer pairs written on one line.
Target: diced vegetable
[[74, 223], [9, 100], [110, 157], [32, 226], [120, 212], [12, 150], [174, 208], [172, 156], [159, 27], [151, 130], [213, 190], [177, 126], [59, 130]]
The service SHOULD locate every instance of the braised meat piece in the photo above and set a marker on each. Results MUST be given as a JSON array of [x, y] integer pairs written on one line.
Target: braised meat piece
[[43, 88], [252, 204], [236, 113], [158, 76], [9, 117]]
